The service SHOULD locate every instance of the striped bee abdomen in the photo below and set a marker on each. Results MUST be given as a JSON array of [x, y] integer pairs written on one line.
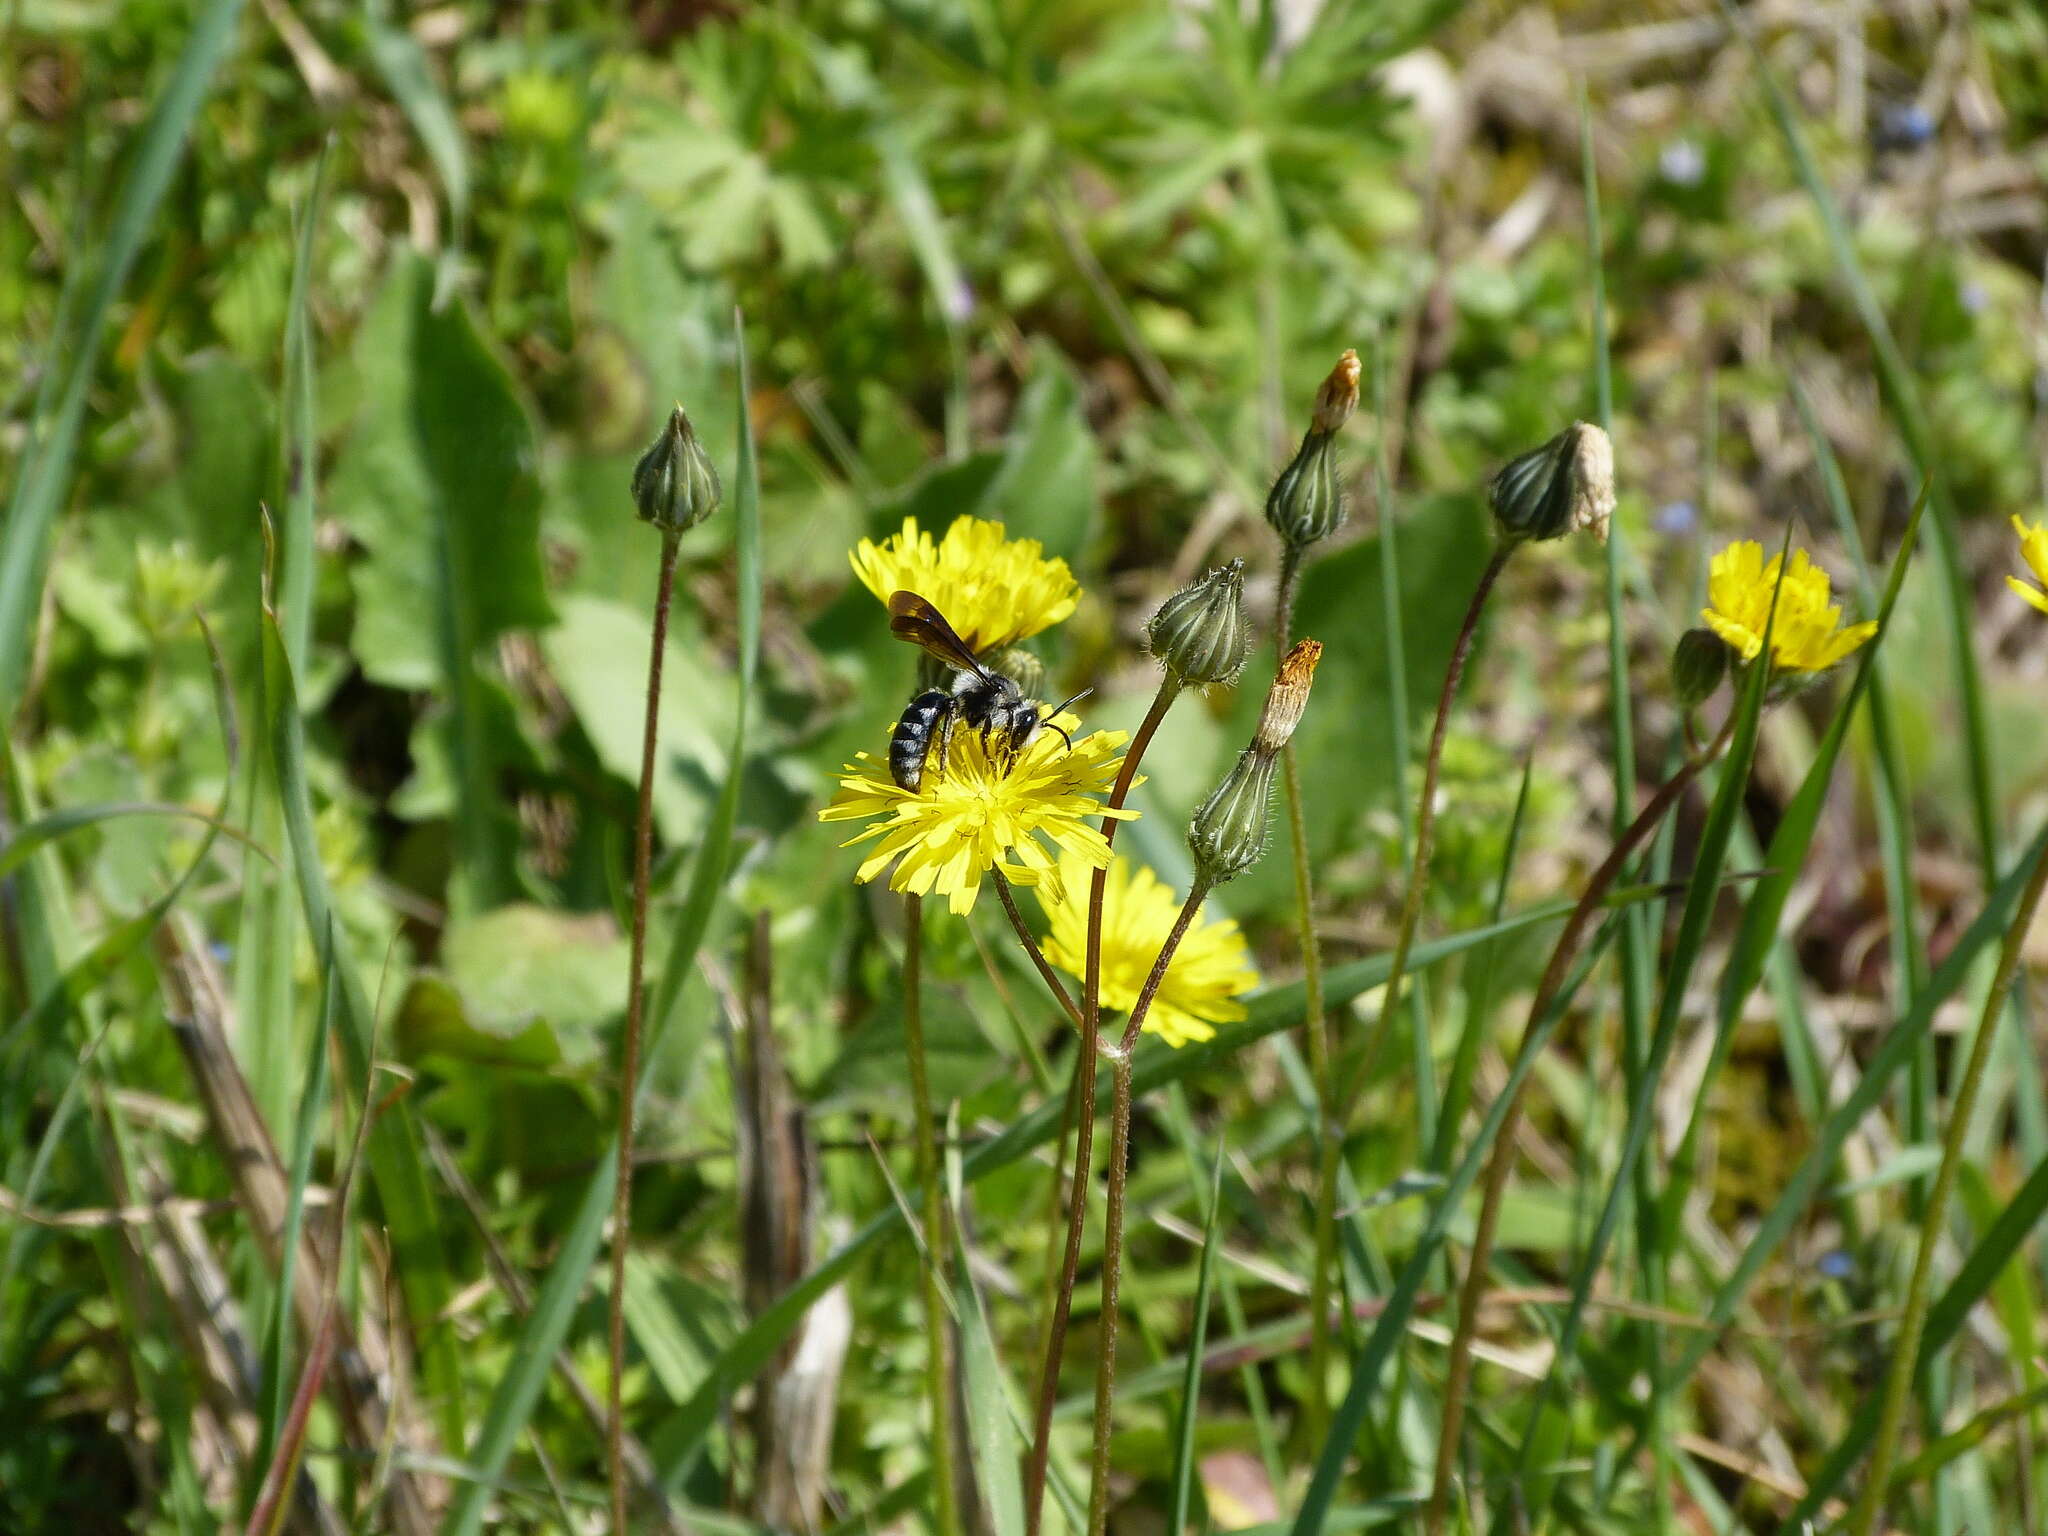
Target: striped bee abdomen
[[911, 742]]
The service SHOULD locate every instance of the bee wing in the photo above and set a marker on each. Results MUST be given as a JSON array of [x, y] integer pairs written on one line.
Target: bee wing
[[912, 618]]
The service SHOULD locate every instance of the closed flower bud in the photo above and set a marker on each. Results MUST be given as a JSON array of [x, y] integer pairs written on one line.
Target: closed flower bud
[[1306, 504], [1698, 664], [1228, 833], [1287, 698], [1200, 634], [1019, 665], [1566, 484], [675, 486]]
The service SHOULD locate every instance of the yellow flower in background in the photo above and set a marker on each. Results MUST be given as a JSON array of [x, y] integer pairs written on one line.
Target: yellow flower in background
[[1807, 634], [1208, 973], [2033, 550], [994, 590], [982, 813]]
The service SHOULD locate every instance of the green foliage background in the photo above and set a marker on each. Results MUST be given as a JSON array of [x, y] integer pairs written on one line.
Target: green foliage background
[[1078, 266]]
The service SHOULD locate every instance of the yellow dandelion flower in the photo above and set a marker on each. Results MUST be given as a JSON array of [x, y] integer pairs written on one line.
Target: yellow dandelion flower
[[1208, 973], [994, 590], [2033, 550], [1807, 634], [982, 813]]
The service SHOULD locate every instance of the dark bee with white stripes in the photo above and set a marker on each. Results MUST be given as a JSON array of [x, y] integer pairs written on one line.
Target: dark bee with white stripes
[[981, 698]]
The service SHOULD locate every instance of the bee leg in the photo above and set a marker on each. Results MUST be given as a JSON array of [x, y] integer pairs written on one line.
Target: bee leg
[[942, 744]]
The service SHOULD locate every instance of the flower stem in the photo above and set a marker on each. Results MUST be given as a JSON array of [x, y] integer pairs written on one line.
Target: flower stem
[[1113, 1235], [1030, 942], [938, 1373], [1317, 1406], [1863, 1516], [629, 1066], [1458, 1371], [1084, 1129]]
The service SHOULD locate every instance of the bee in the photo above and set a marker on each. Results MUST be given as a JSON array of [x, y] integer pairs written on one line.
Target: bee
[[980, 698]]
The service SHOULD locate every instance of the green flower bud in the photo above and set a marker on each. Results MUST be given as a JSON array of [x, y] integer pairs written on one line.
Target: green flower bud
[[1698, 664], [1021, 666], [1566, 484], [1200, 634], [675, 486], [1306, 504], [1228, 833]]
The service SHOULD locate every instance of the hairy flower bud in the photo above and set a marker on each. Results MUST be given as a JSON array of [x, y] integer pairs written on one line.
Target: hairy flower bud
[[1566, 484], [675, 486], [1200, 634], [1021, 667], [1698, 664], [1306, 504], [1228, 833], [1287, 698]]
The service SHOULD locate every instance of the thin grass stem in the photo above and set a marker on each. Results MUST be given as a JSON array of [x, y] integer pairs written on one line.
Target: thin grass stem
[[1898, 1385]]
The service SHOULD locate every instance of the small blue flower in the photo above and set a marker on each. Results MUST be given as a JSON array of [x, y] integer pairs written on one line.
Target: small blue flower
[[1682, 163], [1677, 518], [1836, 1264], [1904, 125]]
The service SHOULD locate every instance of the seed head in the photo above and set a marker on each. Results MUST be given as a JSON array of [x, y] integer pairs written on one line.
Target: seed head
[[1227, 835], [675, 486]]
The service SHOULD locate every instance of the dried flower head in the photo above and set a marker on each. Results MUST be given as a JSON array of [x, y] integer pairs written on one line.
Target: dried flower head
[[1565, 485], [1288, 697], [1337, 396]]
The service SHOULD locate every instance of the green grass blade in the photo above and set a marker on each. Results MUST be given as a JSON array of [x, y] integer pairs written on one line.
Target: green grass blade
[[1392, 1324], [997, 1447], [1183, 1478], [519, 1389], [1701, 896], [298, 441], [1996, 1249], [1897, 1049], [403, 63], [45, 464], [1268, 1013], [1902, 396], [312, 1107], [396, 1165], [49, 828]]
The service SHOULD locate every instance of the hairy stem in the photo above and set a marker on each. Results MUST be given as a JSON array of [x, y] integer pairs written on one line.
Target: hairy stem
[[629, 1065], [938, 1375], [1458, 1371], [1113, 1235], [1084, 1130], [1025, 937], [1898, 1384], [1317, 1407]]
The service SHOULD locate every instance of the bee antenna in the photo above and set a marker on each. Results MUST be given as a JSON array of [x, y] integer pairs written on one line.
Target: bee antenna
[[1061, 708]]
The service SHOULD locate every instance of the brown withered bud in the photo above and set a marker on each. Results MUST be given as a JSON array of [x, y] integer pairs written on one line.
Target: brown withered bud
[[1288, 697], [1338, 396]]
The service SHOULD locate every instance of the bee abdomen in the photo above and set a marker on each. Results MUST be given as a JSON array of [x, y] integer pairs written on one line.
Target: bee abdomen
[[911, 742]]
